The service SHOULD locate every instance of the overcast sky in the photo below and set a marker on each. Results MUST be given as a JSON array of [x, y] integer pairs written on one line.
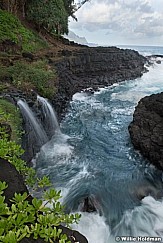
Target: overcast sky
[[116, 22]]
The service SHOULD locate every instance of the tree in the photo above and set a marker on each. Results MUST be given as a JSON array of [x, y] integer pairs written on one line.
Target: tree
[[51, 15], [72, 7], [81, 3], [14, 6]]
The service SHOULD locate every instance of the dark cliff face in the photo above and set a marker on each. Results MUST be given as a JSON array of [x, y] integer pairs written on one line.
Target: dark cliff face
[[146, 130], [94, 67]]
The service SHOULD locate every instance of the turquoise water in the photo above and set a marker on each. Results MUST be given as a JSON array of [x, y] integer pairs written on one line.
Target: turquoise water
[[94, 157]]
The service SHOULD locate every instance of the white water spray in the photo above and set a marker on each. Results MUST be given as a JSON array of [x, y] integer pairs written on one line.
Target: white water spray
[[35, 125], [50, 116]]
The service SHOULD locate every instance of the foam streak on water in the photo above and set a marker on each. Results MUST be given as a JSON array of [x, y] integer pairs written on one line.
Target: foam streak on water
[[97, 160]]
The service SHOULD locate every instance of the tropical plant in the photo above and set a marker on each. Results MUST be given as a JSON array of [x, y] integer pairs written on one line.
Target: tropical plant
[[12, 29], [52, 16], [36, 218]]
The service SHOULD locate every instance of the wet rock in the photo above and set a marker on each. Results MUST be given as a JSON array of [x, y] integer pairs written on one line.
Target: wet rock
[[158, 61], [146, 129], [89, 205]]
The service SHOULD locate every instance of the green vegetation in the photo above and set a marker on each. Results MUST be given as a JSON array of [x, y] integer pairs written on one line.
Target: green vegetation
[[10, 115], [52, 15], [12, 152], [12, 29], [30, 218], [36, 75], [25, 219]]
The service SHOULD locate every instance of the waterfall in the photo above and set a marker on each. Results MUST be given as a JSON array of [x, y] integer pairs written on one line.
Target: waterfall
[[34, 126], [49, 117]]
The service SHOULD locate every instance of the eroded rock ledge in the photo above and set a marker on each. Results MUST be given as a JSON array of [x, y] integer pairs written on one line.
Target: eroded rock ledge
[[92, 67], [146, 129]]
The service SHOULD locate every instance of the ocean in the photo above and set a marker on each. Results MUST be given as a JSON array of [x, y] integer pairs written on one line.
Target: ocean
[[93, 157]]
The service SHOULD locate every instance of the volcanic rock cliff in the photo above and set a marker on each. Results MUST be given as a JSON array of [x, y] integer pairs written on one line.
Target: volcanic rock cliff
[[92, 67], [146, 129]]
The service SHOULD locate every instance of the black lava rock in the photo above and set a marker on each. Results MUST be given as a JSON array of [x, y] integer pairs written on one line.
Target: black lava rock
[[146, 129]]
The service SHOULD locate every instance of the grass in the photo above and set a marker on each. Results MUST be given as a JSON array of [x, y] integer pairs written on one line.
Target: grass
[[26, 76], [12, 29]]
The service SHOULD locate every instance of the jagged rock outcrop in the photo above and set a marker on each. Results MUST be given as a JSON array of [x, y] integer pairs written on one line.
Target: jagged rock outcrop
[[146, 129], [93, 67]]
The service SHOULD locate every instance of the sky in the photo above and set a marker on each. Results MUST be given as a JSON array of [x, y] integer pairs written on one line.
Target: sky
[[120, 22]]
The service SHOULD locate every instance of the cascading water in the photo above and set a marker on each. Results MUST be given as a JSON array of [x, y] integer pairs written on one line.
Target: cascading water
[[97, 160], [49, 117], [34, 126]]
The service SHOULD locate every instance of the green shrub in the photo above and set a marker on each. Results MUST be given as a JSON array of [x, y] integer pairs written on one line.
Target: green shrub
[[30, 219], [25, 219], [51, 16], [12, 29], [27, 76]]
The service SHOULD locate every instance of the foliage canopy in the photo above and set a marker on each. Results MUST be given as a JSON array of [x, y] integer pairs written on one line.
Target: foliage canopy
[[51, 15]]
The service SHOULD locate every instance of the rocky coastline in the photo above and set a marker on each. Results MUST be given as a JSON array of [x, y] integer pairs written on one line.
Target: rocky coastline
[[80, 68], [146, 129], [92, 67], [77, 69]]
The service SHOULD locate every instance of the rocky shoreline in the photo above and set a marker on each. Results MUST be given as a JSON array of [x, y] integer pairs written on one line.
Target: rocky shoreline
[[146, 129], [77, 70], [93, 67]]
